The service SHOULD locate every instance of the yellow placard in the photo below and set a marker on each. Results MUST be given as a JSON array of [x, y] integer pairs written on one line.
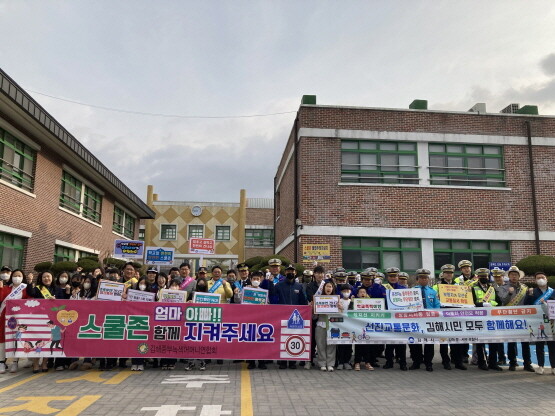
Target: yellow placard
[[317, 252], [455, 295]]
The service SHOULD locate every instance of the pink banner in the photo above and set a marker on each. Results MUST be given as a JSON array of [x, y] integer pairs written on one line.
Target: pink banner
[[77, 328]]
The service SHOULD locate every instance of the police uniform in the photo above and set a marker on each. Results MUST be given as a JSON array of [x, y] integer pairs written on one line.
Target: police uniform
[[479, 292], [465, 280], [274, 279]]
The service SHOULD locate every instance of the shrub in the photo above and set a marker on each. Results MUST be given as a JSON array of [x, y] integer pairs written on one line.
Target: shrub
[[533, 264], [254, 261], [88, 265], [63, 266], [43, 266]]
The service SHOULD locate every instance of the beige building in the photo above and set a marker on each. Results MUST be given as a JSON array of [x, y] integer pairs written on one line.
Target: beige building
[[240, 229]]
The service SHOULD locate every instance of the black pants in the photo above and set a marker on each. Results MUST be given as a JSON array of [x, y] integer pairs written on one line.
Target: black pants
[[456, 356], [344, 353], [512, 353], [492, 356], [399, 350], [540, 352], [501, 352], [313, 342], [364, 352], [55, 344], [422, 354]]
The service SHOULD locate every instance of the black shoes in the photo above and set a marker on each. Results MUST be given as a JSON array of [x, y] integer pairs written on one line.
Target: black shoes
[[495, 367], [529, 368], [429, 368], [262, 366], [461, 367], [403, 367], [483, 367], [387, 365], [415, 366], [251, 366], [447, 366]]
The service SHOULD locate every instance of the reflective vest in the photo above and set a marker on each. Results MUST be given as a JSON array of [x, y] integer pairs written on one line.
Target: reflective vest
[[480, 295]]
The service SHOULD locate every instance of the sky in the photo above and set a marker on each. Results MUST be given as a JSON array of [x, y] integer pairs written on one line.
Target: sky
[[241, 58]]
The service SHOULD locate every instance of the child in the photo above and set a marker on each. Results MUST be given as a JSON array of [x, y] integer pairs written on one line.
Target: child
[[344, 352], [363, 352], [326, 353], [255, 280]]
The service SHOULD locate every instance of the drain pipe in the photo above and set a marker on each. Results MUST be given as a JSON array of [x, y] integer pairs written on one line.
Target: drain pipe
[[533, 188], [296, 190]]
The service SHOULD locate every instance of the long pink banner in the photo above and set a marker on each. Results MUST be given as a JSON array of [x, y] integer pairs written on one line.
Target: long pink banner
[[77, 328]]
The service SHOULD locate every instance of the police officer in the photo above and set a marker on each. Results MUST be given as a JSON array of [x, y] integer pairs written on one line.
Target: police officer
[[446, 277], [485, 295], [501, 288], [275, 270], [404, 279], [516, 295], [340, 278], [465, 266], [352, 279], [430, 301], [243, 280], [307, 278], [366, 279]]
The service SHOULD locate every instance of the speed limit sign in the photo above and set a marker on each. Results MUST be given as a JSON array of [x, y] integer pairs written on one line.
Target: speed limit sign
[[295, 345]]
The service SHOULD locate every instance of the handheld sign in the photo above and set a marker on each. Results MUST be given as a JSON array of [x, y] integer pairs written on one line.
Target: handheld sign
[[159, 255], [173, 296], [202, 246], [254, 296], [368, 304], [108, 290], [399, 299], [455, 296], [200, 297], [129, 249], [140, 296], [326, 304], [551, 308]]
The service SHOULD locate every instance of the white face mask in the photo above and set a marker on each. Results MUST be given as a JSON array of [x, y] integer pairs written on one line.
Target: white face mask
[[17, 280], [255, 283], [63, 280], [86, 285], [142, 287], [541, 282], [377, 281], [346, 294], [4, 276]]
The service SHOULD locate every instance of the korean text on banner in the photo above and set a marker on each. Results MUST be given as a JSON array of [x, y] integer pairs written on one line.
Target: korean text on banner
[[326, 304], [129, 249], [404, 299], [455, 296], [317, 252], [173, 296], [551, 308], [436, 326], [368, 304], [159, 255], [153, 329], [200, 297], [202, 246], [108, 290], [140, 296], [255, 296]]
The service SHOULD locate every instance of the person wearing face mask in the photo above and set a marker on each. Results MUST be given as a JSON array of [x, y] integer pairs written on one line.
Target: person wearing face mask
[[82, 290], [74, 287], [501, 288], [289, 292], [352, 280], [539, 296], [314, 288], [62, 281], [218, 285], [485, 295], [344, 352], [11, 288]]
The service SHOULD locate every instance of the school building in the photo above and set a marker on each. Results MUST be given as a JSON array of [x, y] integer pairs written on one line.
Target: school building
[[241, 230], [416, 188], [59, 202]]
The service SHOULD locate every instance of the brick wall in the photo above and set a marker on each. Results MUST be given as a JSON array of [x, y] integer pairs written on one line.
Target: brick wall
[[257, 251], [260, 216]]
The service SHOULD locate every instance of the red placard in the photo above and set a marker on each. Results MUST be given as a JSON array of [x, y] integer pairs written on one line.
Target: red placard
[[202, 246]]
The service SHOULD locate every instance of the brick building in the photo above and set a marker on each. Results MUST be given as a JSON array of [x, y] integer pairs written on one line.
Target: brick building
[[417, 188], [241, 230], [59, 202]]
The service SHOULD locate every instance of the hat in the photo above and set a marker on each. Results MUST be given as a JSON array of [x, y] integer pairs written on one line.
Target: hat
[[5, 268], [352, 274], [290, 267], [463, 263], [257, 273], [496, 271], [403, 275], [112, 270], [242, 267], [152, 270], [448, 268], [274, 262], [340, 273], [482, 271], [515, 269], [202, 269], [380, 275], [308, 273], [369, 272], [392, 270], [423, 272]]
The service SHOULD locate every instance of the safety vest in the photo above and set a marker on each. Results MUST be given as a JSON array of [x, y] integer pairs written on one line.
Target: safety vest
[[480, 293]]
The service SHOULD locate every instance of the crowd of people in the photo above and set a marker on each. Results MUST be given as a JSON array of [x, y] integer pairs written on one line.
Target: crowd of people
[[292, 288]]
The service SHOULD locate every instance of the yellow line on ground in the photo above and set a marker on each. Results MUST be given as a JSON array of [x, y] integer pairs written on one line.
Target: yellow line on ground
[[19, 383], [246, 392]]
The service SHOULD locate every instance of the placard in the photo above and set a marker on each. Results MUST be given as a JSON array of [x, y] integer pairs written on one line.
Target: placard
[[326, 303], [317, 252], [202, 246], [204, 297], [404, 299], [551, 308], [140, 296], [159, 255], [129, 249], [173, 296], [108, 290], [368, 304], [455, 296], [255, 296]]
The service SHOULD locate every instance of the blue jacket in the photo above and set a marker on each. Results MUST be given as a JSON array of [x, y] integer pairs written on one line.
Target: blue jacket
[[289, 293], [378, 291], [357, 288], [531, 299], [278, 278], [430, 295]]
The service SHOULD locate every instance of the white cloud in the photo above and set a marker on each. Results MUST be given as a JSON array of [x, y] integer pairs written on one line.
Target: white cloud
[[16, 308], [32, 303]]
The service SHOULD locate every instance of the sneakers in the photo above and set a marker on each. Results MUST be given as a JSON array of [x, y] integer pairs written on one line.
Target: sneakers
[[529, 368], [539, 371], [330, 369], [368, 367], [141, 368], [357, 367], [202, 366], [552, 371], [13, 367], [323, 368], [347, 366], [2, 367], [85, 366], [307, 366], [134, 367], [189, 366], [339, 367]]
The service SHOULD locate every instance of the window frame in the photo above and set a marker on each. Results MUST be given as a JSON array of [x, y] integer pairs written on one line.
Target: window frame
[[189, 231], [470, 250], [381, 249], [261, 237], [17, 176], [223, 227], [162, 238], [13, 244], [86, 193], [123, 228]]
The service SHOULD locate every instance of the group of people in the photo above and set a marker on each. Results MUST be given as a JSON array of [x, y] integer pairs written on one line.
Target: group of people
[[292, 288]]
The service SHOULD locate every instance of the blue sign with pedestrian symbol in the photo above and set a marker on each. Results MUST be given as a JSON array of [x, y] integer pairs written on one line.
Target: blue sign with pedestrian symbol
[[159, 255]]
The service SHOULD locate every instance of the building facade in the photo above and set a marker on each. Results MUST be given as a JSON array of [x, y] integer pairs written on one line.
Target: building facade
[[59, 202], [240, 230], [416, 188]]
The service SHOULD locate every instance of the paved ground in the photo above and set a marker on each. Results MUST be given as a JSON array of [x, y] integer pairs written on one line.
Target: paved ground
[[230, 389]]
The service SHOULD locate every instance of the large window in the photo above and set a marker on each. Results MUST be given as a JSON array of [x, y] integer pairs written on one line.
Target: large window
[[466, 165], [124, 223], [17, 161], [62, 253], [168, 232], [196, 231], [480, 253], [361, 253], [80, 198], [11, 250], [223, 232], [379, 162], [259, 237]]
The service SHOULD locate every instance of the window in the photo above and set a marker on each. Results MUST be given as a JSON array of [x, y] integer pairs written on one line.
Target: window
[[480, 253], [80, 198], [379, 162], [17, 161], [223, 232], [361, 253], [142, 234], [62, 253], [11, 250], [196, 231], [466, 165], [124, 223], [259, 238], [168, 232]]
